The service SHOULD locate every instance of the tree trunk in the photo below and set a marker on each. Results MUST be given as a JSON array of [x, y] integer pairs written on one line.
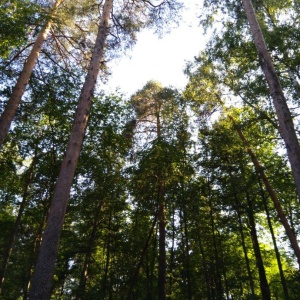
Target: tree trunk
[[42, 281], [162, 244], [172, 264], [251, 282], [162, 265], [282, 277], [20, 86], [289, 232], [187, 257], [216, 264], [88, 254], [285, 120], [237, 207], [151, 293], [17, 222], [264, 286], [222, 266], [105, 279], [136, 272], [36, 247], [204, 259]]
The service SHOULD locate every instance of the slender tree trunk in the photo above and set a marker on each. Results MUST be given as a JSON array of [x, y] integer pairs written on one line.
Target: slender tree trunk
[[239, 215], [17, 222], [136, 272], [185, 239], [162, 244], [88, 255], [151, 294], [282, 277], [36, 246], [20, 86], [222, 263], [285, 120], [216, 264], [64, 277], [264, 286], [289, 232], [172, 252], [162, 265], [42, 281], [187, 257], [105, 284], [207, 274], [251, 282]]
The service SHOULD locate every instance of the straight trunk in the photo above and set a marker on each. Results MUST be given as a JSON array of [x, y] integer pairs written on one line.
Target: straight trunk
[[64, 277], [208, 287], [251, 282], [88, 255], [286, 125], [264, 286], [222, 262], [36, 247], [162, 245], [20, 86], [105, 283], [17, 223], [42, 281], [237, 207], [216, 263], [172, 253], [151, 292], [282, 277], [289, 232], [187, 257], [162, 263], [134, 278]]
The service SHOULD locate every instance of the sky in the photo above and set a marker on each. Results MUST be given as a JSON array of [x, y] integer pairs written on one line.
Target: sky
[[160, 59]]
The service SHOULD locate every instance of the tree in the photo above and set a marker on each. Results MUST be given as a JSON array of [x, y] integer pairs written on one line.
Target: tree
[[289, 232], [48, 114], [240, 60], [285, 120], [16, 17], [150, 104], [19, 89], [41, 284]]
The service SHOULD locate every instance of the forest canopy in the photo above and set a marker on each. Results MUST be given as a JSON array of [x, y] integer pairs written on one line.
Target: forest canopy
[[163, 194]]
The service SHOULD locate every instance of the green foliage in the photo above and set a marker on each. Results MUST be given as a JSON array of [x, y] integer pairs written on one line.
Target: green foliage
[[184, 143], [17, 18]]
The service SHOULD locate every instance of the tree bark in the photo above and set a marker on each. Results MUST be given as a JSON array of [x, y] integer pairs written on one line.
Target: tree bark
[[162, 244], [20, 86], [136, 272], [204, 261], [187, 256], [289, 232], [237, 207], [251, 282], [286, 125], [162, 263], [42, 281], [88, 254], [172, 264], [216, 264], [277, 253], [264, 286], [105, 280], [36, 246], [17, 222]]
